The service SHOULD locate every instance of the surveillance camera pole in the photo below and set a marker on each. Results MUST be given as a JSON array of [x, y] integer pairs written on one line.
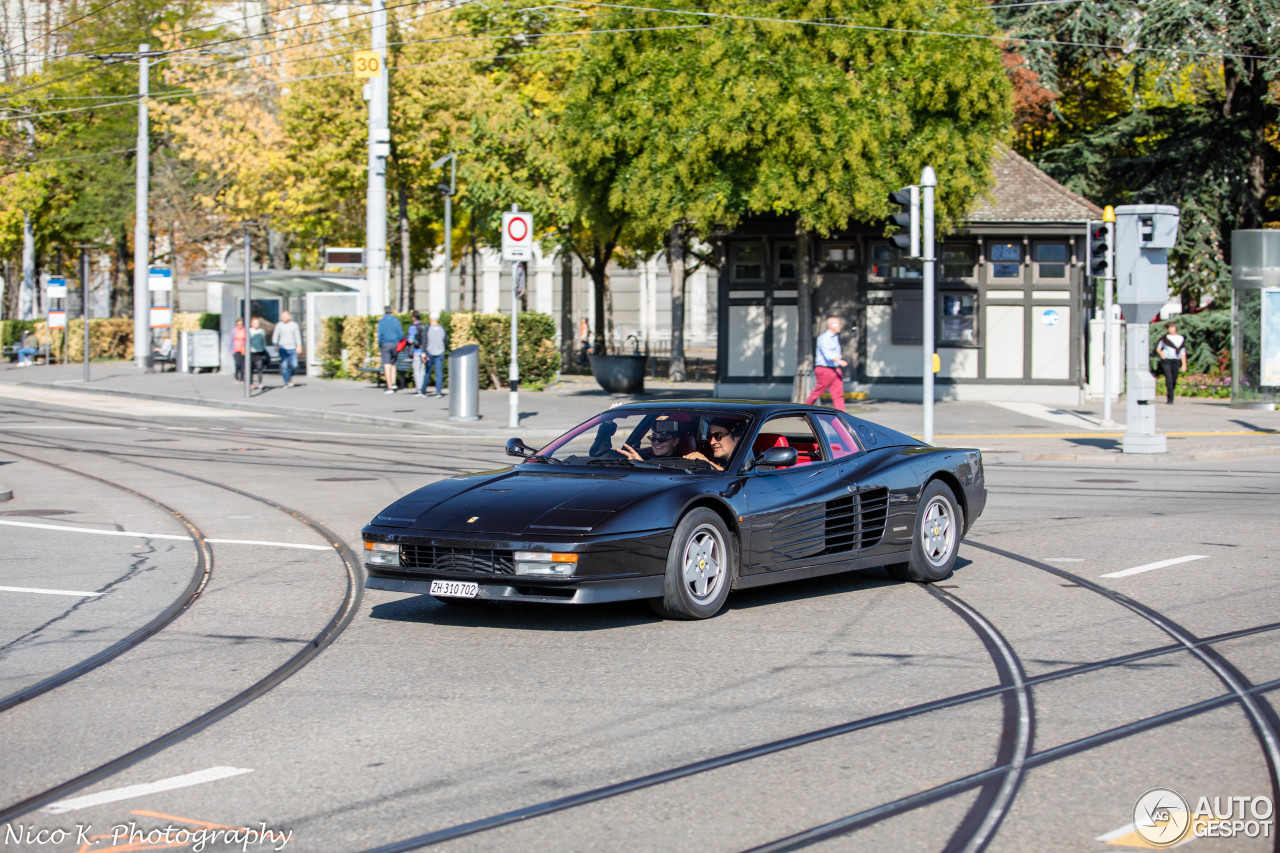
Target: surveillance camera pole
[[928, 180]]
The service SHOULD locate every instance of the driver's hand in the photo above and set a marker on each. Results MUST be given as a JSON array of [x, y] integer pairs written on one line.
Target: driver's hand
[[695, 455], [631, 453]]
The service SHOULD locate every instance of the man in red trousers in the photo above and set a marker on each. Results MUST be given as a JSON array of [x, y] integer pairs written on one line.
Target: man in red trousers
[[827, 365]]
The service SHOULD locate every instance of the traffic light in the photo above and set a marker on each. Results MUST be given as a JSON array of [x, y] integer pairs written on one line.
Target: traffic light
[[1100, 249], [908, 199]]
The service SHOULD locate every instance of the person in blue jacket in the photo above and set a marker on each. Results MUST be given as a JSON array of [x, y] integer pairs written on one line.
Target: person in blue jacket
[[390, 333]]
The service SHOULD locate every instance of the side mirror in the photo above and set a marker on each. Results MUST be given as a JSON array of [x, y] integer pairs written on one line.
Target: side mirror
[[516, 447], [776, 457]]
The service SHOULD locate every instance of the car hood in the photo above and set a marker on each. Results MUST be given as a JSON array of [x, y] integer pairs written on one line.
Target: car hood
[[519, 501]]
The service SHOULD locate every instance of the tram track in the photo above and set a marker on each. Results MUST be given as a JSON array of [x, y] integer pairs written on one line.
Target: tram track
[[341, 617], [999, 782]]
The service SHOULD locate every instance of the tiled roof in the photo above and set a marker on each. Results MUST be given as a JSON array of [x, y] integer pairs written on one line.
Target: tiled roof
[[1023, 193]]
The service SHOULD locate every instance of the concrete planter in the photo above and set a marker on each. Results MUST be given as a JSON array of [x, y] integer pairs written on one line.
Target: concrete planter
[[619, 374]]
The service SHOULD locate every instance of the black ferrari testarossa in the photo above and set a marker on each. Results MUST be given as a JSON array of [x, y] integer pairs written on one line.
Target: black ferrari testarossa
[[679, 502]]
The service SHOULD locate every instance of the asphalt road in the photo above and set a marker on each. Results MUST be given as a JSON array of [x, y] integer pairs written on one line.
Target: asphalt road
[[1020, 704]]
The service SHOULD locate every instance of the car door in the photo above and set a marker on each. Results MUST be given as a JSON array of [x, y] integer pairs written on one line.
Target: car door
[[788, 507]]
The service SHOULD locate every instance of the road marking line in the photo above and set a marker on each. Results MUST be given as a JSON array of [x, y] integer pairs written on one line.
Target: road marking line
[[164, 536], [211, 774], [1160, 565], [1056, 416], [47, 591], [272, 544], [58, 426]]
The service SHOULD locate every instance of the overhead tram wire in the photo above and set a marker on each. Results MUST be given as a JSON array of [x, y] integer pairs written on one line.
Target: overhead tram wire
[[85, 16]]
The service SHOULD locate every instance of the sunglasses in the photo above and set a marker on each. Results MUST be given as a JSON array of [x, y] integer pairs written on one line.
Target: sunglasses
[[718, 436], [662, 436]]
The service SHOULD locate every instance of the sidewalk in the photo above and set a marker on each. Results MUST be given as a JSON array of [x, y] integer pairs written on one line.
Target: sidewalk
[[1197, 429]]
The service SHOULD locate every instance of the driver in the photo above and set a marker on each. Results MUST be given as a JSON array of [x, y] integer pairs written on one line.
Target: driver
[[722, 435], [664, 438]]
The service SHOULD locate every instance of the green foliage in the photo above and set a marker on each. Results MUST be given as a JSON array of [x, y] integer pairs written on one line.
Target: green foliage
[[539, 360], [210, 321], [11, 330]]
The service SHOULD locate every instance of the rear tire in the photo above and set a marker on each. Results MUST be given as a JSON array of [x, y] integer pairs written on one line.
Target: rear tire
[[935, 537], [701, 567]]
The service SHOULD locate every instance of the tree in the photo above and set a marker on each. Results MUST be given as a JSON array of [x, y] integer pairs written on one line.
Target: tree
[[815, 110], [1164, 102]]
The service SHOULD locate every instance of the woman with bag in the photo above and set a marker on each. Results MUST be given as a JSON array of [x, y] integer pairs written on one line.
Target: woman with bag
[[1172, 350]]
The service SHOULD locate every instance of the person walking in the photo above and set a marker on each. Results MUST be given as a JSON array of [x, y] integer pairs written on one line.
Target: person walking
[[257, 352], [237, 349], [288, 337], [436, 344], [417, 336], [390, 334], [827, 365], [1172, 349]]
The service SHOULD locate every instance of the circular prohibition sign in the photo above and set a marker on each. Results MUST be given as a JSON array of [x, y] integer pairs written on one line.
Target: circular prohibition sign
[[518, 228]]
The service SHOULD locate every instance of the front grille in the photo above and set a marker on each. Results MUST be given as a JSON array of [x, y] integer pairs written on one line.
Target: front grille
[[441, 558], [857, 521]]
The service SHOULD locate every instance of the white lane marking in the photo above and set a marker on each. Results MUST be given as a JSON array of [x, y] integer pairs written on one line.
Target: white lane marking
[[47, 591], [163, 536], [1055, 416], [115, 795], [1160, 565], [57, 426], [122, 405], [93, 530], [272, 544]]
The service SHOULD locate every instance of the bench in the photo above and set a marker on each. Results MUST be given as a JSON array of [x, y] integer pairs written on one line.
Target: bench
[[10, 352], [404, 368]]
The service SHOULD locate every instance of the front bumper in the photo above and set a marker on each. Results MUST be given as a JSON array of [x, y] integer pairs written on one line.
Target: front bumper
[[614, 568], [510, 588]]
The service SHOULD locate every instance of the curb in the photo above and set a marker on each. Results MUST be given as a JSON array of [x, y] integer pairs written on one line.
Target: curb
[[1119, 458], [430, 427], [5, 494]]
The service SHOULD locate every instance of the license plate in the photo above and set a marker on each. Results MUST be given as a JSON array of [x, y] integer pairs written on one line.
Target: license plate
[[455, 589]]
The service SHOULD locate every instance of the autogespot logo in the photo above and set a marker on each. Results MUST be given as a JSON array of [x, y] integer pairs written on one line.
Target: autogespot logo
[[1161, 817]]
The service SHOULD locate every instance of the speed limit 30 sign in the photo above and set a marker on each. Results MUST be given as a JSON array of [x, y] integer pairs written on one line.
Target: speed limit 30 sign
[[517, 236]]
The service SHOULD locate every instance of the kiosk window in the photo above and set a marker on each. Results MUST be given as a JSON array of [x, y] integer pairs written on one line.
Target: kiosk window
[[748, 262], [786, 262], [958, 260], [1051, 261], [908, 317], [959, 319], [1006, 260]]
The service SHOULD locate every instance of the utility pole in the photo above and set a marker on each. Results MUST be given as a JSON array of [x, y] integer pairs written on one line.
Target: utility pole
[[248, 276], [928, 180], [448, 189], [141, 228], [84, 301], [375, 92]]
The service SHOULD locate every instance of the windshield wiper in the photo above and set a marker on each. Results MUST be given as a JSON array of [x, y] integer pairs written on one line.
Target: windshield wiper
[[539, 457], [619, 460]]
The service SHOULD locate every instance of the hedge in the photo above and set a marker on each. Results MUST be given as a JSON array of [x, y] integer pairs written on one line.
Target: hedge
[[1208, 337], [539, 360], [110, 338]]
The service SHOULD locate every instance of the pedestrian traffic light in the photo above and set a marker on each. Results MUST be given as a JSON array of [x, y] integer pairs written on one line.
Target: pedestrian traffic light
[[908, 199], [1100, 249]]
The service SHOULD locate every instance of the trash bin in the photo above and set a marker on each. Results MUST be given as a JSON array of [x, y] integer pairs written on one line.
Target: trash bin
[[464, 383], [198, 350]]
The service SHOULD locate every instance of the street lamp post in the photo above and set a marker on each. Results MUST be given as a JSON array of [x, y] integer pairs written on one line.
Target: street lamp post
[[448, 190]]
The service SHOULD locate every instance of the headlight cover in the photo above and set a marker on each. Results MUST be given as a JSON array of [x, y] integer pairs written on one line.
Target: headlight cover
[[545, 563], [382, 553]]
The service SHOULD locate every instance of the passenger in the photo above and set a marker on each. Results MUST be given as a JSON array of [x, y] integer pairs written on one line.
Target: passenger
[[722, 435], [664, 437]]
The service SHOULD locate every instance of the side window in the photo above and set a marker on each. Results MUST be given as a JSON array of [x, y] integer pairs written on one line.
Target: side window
[[789, 431], [839, 438]]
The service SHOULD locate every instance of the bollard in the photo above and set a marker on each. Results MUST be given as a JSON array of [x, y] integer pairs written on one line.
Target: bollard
[[464, 383]]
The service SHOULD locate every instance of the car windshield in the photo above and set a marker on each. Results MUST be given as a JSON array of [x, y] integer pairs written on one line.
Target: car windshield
[[684, 439]]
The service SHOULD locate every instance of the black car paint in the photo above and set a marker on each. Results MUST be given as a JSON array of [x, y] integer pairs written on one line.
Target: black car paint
[[620, 520]]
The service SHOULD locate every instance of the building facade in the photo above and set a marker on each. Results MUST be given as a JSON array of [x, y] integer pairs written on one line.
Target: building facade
[[1011, 301]]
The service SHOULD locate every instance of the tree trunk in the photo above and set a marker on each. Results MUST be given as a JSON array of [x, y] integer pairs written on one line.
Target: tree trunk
[[603, 309], [566, 308], [122, 278], [173, 264], [804, 319], [406, 278], [675, 265], [474, 271]]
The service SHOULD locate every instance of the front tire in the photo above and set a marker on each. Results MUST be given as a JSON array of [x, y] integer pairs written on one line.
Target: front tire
[[701, 566], [935, 539]]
